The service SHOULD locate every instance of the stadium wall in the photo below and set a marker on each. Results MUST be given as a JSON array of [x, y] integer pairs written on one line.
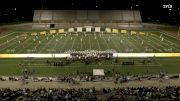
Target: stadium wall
[[75, 18]]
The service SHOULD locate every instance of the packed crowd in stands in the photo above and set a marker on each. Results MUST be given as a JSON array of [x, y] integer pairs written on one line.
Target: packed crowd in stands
[[170, 93], [143, 93], [47, 95]]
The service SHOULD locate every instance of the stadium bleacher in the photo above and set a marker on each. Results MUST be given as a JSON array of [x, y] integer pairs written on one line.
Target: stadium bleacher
[[170, 93], [76, 18]]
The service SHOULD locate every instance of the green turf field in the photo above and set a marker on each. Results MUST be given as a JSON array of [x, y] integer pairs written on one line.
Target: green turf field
[[39, 67], [23, 42], [18, 42]]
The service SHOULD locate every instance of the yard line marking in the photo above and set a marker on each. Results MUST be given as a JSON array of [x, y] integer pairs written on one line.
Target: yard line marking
[[59, 46], [154, 48], [164, 43], [26, 45], [122, 44], [138, 43], [73, 43], [81, 42], [89, 42], [169, 36], [169, 41], [116, 46], [150, 44], [105, 41], [119, 42], [7, 35], [86, 42], [101, 42], [56, 44], [132, 44], [37, 44], [98, 43], [10, 44], [7, 42], [92, 45], [162, 32], [22, 44], [157, 43], [154, 44], [64, 44], [172, 42], [125, 44], [10, 40], [46, 45]]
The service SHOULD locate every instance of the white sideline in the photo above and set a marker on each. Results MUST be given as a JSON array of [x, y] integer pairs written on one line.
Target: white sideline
[[128, 55], [123, 55], [34, 55]]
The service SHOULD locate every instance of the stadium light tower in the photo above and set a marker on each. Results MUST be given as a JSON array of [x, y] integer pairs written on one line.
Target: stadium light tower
[[42, 6], [132, 4], [179, 31]]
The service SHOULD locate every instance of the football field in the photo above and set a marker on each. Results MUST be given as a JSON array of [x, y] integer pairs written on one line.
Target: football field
[[151, 42], [22, 42]]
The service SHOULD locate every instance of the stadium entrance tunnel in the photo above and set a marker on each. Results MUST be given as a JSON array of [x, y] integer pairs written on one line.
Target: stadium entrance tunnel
[[52, 25]]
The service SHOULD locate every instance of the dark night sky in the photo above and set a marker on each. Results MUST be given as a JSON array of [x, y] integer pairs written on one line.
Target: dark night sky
[[151, 10]]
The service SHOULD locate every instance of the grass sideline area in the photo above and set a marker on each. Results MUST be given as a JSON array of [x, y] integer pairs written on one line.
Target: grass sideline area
[[39, 67]]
